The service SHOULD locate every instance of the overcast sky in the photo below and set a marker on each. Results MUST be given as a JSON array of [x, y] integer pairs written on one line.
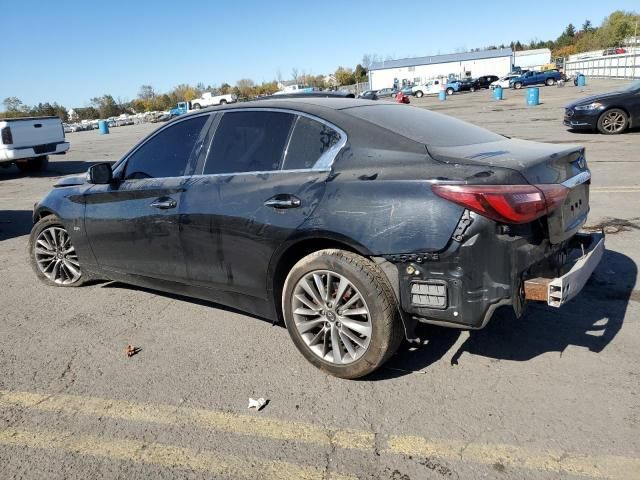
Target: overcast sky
[[70, 51]]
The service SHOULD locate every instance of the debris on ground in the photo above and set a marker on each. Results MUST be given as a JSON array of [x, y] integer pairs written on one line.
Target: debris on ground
[[257, 404], [130, 351]]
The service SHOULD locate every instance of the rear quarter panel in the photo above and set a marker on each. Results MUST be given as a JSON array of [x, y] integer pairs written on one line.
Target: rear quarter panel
[[386, 216]]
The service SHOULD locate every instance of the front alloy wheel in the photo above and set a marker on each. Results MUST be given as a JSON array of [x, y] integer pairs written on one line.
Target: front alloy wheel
[[53, 256], [613, 121], [341, 313]]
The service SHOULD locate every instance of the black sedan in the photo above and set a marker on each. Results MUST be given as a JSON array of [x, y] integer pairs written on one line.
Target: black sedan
[[350, 220], [609, 113], [369, 95]]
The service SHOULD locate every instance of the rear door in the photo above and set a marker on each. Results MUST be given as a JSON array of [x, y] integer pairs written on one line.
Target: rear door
[[262, 177], [132, 223]]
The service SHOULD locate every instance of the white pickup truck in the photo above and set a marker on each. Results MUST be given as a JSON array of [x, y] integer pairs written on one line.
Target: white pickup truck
[[209, 100], [27, 142]]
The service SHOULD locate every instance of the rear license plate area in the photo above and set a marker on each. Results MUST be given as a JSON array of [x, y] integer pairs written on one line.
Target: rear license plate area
[[567, 220]]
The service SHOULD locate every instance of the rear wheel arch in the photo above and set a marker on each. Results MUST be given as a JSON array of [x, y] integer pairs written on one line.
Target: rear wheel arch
[[284, 260]]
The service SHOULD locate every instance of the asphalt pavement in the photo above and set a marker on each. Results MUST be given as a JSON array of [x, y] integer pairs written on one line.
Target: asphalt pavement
[[554, 394]]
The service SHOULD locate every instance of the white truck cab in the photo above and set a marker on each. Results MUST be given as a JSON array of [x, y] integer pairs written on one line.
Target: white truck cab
[[432, 87], [27, 142], [208, 100]]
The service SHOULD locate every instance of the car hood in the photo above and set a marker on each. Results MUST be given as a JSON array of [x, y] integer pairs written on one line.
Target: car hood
[[594, 98], [71, 181]]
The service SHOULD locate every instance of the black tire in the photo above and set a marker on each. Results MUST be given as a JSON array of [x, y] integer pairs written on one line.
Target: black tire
[[472, 89], [450, 91], [386, 327], [223, 102], [550, 82], [196, 106], [613, 121], [517, 85], [44, 224], [419, 94], [30, 165]]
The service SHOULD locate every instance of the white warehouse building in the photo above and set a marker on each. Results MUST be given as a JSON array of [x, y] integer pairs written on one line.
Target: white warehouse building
[[422, 69], [457, 65], [532, 59]]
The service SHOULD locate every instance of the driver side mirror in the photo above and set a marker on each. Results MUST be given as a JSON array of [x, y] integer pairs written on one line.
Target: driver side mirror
[[100, 173]]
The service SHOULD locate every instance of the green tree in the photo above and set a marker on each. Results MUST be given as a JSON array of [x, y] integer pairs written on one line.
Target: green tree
[[616, 27], [146, 92], [360, 73], [245, 88], [106, 106], [586, 26], [345, 76], [12, 104]]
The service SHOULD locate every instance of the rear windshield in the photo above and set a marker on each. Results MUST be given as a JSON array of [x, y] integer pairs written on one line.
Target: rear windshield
[[424, 126]]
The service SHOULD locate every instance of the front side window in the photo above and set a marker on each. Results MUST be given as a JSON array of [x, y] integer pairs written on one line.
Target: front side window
[[251, 141], [309, 140], [167, 153]]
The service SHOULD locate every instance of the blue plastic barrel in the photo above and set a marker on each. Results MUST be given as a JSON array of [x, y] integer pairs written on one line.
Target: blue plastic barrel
[[103, 126], [497, 93], [533, 96], [581, 80], [442, 95]]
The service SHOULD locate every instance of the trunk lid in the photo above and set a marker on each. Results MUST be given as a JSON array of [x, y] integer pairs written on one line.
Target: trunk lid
[[537, 163]]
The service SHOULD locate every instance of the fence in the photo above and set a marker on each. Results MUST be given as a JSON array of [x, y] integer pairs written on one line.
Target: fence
[[626, 65]]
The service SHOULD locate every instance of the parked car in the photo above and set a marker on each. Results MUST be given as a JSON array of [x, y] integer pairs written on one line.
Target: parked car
[[368, 95], [462, 84], [350, 220], [533, 77], [407, 90], [27, 142], [387, 92], [609, 113], [503, 82], [613, 51], [432, 87], [484, 81]]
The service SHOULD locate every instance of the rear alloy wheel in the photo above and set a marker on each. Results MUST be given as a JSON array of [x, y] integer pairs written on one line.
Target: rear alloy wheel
[[53, 256], [517, 85], [449, 91], [30, 165], [419, 94], [341, 313], [472, 89], [196, 106], [613, 121], [223, 102], [550, 82]]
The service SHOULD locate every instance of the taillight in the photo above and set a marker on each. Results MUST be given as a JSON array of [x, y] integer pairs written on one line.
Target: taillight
[[506, 203], [7, 138]]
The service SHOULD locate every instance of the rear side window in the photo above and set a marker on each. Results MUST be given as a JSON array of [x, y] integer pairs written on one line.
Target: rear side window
[[309, 140], [249, 142], [167, 153], [423, 126]]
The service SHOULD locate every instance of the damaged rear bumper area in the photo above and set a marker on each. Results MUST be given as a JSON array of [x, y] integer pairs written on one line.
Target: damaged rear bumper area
[[587, 251], [488, 265]]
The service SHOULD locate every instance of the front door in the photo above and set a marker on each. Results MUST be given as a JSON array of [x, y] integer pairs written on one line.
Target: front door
[[133, 223], [262, 178]]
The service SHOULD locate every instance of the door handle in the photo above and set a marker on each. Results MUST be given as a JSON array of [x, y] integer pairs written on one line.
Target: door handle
[[164, 203], [283, 201]]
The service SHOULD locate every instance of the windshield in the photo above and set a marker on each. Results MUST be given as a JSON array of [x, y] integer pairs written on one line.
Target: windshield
[[423, 126], [633, 86]]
